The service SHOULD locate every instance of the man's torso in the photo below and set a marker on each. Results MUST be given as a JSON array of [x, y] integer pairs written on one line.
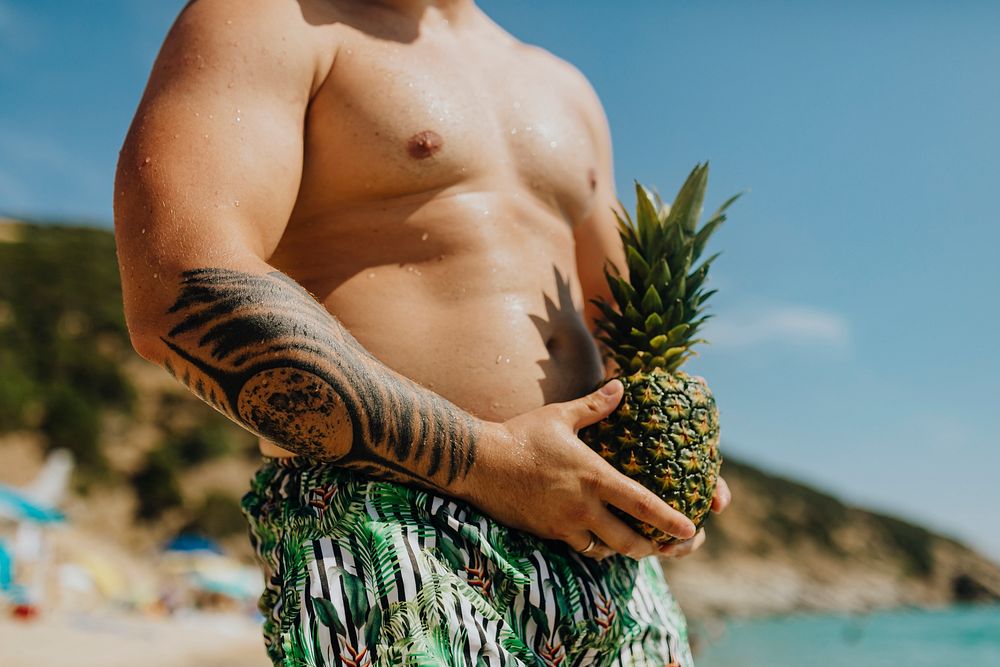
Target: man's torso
[[445, 168]]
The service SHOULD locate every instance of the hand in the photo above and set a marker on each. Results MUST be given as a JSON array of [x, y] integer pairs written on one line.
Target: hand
[[720, 501], [534, 474]]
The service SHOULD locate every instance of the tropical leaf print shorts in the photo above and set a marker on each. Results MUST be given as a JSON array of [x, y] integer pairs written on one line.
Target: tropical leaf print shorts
[[369, 573]]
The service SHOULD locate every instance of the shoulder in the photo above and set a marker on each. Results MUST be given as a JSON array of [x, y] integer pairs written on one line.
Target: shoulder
[[280, 38], [249, 18], [575, 86]]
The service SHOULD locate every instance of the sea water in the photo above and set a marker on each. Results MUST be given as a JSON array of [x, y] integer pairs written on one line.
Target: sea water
[[959, 636]]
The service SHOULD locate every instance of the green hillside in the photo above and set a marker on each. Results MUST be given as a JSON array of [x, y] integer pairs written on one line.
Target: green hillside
[[64, 359], [71, 380]]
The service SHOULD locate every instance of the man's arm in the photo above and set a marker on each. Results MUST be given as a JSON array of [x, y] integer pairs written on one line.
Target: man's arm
[[207, 178], [596, 235], [597, 243], [260, 349]]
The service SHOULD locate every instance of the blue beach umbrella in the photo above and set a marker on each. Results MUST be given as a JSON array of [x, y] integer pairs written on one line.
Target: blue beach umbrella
[[19, 507], [187, 543]]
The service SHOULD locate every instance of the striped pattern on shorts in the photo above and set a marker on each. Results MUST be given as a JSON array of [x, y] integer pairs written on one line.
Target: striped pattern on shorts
[[364, 573]]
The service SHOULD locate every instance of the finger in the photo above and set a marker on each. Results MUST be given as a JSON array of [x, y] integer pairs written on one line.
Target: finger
[[602, 552], [682, 549], [595, 406], [581, 542], [723, 496], [638, 501], [619, 537]]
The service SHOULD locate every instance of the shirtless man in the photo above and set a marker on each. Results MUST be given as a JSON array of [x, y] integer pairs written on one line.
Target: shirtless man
[[446, 192]]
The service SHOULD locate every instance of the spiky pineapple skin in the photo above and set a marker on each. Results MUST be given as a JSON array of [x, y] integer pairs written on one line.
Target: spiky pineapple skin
[[665, 435]]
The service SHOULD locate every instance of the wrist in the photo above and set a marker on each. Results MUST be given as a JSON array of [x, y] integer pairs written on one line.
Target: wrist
[[491, 441]]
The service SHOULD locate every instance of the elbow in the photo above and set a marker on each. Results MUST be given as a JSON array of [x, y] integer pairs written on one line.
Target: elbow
[[146, 342], [147, 346]]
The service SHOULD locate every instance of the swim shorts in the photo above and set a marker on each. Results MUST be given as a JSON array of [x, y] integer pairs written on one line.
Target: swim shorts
[[365, 573]]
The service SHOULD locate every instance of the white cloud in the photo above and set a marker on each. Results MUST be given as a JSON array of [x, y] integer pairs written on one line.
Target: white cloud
[[782, 324]]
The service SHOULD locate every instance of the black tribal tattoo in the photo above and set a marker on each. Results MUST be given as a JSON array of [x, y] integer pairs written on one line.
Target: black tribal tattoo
[[263, 351]]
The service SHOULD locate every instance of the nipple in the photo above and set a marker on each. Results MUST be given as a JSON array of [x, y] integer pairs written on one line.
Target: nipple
[[424, 144]]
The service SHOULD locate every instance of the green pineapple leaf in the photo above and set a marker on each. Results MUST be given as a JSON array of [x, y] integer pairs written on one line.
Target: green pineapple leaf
[[637, 267], [651, 302]]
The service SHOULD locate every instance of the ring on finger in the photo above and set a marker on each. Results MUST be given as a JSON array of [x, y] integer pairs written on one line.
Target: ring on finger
[[591, 546]]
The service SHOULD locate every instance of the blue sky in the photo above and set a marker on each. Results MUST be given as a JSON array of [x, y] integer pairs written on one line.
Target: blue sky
[[854, 343]]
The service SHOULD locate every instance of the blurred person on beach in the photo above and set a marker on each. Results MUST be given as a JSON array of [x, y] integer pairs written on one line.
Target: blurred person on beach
[[369, 232]]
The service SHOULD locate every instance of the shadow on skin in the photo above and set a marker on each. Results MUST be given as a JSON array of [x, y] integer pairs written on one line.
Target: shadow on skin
[[371, 17], [561, 315]]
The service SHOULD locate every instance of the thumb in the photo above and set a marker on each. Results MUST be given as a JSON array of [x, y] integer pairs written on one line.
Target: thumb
[[595, 406]]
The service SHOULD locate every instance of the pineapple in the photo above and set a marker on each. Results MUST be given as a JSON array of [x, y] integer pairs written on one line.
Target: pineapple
[[665, 432]]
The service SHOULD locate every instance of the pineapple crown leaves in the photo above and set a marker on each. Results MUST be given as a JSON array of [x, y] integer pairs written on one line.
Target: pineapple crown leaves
[[659, 308]]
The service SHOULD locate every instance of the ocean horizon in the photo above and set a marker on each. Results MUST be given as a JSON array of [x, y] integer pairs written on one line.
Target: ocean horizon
[[967, 635]]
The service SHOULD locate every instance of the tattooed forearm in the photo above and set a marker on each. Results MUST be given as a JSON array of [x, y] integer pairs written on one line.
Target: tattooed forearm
[[262, 350]]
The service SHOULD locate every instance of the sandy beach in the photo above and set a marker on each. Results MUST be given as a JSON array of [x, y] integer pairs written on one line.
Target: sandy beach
[[102, 640]]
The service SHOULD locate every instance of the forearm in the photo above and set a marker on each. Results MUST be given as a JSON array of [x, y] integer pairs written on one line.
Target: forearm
[[261, 350]]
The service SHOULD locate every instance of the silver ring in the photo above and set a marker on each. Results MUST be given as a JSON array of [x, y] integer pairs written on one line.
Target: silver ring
[[591, 546]]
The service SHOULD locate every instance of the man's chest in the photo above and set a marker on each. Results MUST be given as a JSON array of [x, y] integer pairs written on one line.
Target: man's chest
[[393, 121]]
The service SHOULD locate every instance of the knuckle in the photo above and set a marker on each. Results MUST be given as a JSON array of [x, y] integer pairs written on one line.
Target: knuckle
[[578, 512], [591, 480], [632, 547], [643, 506], [563, 411]]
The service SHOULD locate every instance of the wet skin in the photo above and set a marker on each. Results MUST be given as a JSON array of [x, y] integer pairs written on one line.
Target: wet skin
[[443, 190]]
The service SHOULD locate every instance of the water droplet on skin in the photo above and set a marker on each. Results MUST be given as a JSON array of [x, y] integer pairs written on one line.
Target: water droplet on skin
[[237, 119], [143, 230], [147, 161], [211, 116], [553, 144], [371, 274], [229, 21], [529, 128], [424, 236], [513, 130], [236, 203], [177, 136], [507, 360], [499, 358]]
